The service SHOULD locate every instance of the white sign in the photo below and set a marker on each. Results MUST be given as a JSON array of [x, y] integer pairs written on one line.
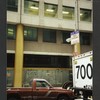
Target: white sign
[[83, 71], [75, 37]]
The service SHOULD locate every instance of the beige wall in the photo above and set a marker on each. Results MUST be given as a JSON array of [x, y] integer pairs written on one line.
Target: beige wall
[[46, 47], [10, 45], [56, 23]]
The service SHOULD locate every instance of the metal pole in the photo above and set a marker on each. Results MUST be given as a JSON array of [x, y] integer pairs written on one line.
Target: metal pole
[[77, 15]]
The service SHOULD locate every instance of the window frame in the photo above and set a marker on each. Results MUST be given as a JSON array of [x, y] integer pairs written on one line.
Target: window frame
[[50, 13], [46, 61], [32, 7], [28, 37], [89, 18], [68, 7], [12, 7], [64, 37], [13, 36], [52, 33], [11, 57], [83, 41]]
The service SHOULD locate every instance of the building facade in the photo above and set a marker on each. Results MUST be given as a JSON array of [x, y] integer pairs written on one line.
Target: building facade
[[36, 39]]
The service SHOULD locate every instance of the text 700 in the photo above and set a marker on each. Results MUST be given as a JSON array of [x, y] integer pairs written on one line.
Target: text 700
[[84, 72]]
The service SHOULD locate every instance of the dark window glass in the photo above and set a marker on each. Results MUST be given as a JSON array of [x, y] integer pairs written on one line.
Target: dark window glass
[[65, 35], [10, 60], [11, 31], [49, 35], [46, 61], [50, 10], [31, 7], [30, 34], [12, 5], [10, 77], [63, 61], [68, 12], [42, 84], [85, 15], [85, 38]]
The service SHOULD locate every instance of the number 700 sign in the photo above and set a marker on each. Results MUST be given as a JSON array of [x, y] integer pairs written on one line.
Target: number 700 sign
[[83, 71]]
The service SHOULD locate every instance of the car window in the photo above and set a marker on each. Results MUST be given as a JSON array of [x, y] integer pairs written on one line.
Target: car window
[[42, 84]]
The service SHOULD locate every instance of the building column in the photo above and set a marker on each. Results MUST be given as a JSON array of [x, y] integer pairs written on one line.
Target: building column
[[18, 72], [60, 3], [41, 12]]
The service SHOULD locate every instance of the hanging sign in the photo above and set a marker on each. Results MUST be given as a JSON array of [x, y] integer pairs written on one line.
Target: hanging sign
[[75, 37]]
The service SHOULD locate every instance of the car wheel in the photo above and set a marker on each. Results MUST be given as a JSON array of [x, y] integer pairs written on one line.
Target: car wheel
[[63, 98]]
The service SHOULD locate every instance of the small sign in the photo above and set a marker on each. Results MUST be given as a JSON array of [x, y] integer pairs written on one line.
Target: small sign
[[75, 37]]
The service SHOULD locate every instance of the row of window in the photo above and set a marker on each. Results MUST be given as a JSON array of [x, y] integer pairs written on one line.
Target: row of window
[[50, 10], [41, 61], [49, 35]]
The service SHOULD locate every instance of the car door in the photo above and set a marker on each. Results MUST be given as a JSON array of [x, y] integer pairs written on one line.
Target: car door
[[43, 91], [27, 93]]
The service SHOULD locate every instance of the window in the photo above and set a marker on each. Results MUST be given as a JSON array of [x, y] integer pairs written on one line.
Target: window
[[10, 78], [31, 7], [85, 38], [42, 84], [10, 71], [85, 15], [68, 12], [30, 34], [10, 60], [50, 10], [63, 61], [46, 61], [49, 35], [11, 31], [65, 35], [12, 5]]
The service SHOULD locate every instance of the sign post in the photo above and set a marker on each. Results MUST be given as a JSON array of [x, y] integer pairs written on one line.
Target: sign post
[[75, 40]]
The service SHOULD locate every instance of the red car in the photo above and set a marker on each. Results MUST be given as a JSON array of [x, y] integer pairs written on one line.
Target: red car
[[39, 89]]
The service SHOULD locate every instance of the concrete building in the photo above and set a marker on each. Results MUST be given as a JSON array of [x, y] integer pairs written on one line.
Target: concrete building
[[36, 39]]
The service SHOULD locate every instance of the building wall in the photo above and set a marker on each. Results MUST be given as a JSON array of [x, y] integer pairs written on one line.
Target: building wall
[[11, 45], [45, 48], [51, 23], [42, 21]]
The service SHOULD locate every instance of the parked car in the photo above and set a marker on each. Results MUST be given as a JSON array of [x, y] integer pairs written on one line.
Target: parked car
[[40, 89]]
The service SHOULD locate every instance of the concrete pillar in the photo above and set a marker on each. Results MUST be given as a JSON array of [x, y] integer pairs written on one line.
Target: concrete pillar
[[60, 3], [18, 57], [41, 12]]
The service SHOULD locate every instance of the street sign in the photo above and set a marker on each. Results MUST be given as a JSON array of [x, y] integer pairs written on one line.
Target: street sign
[[74, 37], [83, 70]]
